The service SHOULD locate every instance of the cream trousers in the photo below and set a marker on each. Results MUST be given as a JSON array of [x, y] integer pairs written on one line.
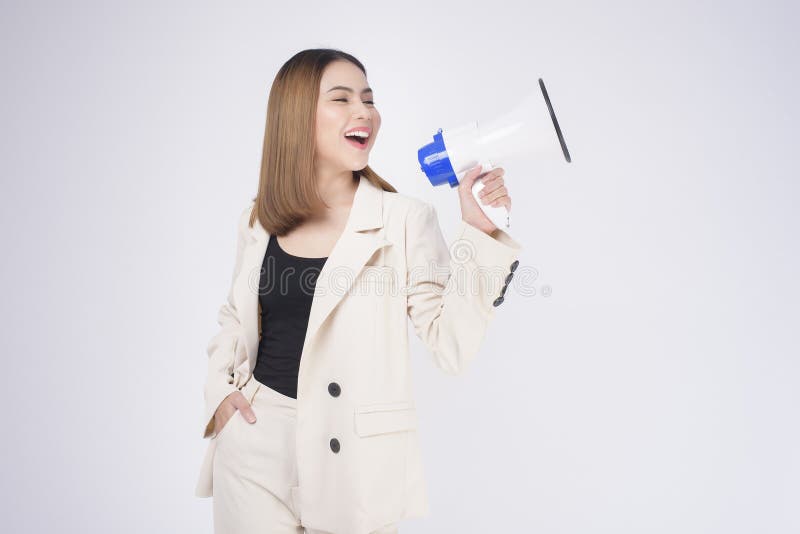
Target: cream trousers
[[255, 469]]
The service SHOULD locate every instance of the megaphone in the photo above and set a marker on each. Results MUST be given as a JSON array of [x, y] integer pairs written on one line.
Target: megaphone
[[529, 129]]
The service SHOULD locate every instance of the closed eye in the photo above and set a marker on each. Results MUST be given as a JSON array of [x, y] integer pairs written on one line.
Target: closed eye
[[345, 100]]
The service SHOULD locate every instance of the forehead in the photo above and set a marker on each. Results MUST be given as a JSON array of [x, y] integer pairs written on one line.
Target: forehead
[[342, 73]]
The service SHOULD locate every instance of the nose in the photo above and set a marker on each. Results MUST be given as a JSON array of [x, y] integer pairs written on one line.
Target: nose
[[362, 111]]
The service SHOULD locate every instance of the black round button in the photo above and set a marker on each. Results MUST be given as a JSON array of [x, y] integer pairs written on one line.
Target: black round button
[[503, 291], [514, 265], [509, 277], [335, 445], [334, 389], [498, 301]]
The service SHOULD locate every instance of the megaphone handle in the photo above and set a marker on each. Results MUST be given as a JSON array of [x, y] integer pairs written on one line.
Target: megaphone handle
[[498, 215]]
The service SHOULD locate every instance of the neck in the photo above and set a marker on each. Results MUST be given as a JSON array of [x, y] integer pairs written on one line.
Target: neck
[[336, 188]]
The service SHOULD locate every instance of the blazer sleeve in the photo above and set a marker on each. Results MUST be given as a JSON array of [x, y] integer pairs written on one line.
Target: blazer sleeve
[[451, 290], [222, 348]]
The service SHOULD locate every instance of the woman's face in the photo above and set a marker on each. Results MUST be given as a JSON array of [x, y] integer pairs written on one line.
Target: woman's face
[[340, 110]]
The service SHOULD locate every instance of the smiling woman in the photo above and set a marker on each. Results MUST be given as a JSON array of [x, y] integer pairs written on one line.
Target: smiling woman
[[318, 376]]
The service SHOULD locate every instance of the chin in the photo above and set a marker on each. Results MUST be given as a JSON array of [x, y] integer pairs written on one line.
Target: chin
[[358, 165]]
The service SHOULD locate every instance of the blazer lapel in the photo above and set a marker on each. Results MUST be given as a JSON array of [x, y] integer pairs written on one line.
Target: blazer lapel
[[350, 254]]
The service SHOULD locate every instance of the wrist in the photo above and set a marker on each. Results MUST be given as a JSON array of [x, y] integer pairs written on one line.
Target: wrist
[[488, 229]]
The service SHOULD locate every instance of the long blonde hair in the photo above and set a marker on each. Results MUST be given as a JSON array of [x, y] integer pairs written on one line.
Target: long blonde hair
[[287, 188]]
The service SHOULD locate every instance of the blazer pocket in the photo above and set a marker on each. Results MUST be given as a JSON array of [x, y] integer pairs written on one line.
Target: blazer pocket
[[381, 418]]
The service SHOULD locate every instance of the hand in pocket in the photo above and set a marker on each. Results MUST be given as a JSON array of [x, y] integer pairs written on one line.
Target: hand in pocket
[[235, 402]]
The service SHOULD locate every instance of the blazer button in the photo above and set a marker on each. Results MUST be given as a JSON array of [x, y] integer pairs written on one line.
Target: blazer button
[[514, 265], [498, 301], [334, 389], [335, 445], [509, 277]]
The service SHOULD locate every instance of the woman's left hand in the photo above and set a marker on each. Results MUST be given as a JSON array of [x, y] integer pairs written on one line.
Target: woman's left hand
[[493, 193]]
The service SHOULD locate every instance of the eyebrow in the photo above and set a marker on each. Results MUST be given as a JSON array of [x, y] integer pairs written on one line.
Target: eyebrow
[[349, 90]]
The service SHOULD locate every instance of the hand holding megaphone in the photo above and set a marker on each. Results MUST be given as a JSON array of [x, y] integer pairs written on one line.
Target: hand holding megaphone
[[530, 129], [475, 200]]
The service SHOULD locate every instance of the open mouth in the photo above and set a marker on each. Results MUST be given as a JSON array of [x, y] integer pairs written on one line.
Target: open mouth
[[358, 142]]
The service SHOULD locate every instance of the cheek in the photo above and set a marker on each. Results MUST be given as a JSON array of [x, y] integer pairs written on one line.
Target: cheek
[[327, 126], [376, 121]]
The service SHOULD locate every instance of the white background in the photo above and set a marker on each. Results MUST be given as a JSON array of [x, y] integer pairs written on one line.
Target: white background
[[655, 390]]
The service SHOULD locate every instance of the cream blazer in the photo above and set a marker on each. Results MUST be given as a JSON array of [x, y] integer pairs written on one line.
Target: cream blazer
[[390, 264]]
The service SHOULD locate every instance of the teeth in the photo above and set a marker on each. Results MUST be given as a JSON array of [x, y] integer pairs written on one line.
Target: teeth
[[357, 134]]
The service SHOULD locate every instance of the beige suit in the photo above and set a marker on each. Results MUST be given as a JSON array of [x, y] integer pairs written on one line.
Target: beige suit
[[391, 263]]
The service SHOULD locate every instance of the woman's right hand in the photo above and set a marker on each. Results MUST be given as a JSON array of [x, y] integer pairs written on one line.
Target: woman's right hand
[[235, 402]]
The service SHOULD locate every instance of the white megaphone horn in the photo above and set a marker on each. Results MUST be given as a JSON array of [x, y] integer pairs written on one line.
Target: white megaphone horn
[[529, 129]]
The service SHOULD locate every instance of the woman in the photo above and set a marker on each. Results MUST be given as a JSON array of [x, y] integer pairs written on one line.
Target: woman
[[325, 435]]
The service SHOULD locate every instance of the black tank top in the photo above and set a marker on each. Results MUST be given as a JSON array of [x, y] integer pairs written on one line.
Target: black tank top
[[286, 289]]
